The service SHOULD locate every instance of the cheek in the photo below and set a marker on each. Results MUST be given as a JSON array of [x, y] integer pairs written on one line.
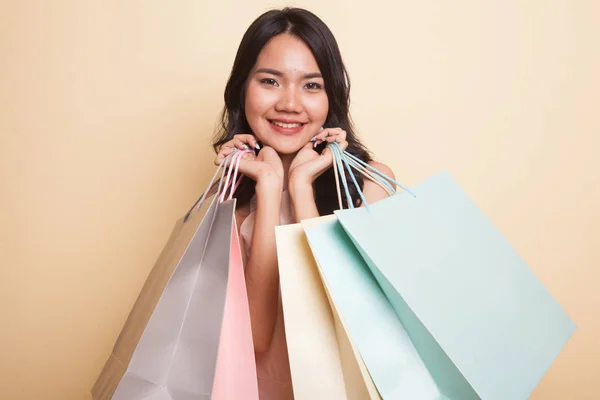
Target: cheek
[[252, 102], [317, 108], [257, 102]]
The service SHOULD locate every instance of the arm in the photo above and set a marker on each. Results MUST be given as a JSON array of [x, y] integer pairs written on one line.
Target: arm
[[262, 278], [303, 200]]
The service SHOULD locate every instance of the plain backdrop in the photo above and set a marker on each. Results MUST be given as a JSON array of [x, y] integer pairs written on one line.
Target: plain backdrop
[[107, 109]]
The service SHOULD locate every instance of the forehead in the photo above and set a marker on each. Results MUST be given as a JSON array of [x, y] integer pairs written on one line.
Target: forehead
[[287, 54]]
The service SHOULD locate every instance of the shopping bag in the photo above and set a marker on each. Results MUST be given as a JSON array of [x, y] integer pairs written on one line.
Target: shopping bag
[[358, 381], [388, 353], [322, 361], [235, 376], [168, 346], [483, 323]]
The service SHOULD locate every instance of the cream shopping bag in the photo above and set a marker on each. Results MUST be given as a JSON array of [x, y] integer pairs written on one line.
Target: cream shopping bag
[[323, 362]]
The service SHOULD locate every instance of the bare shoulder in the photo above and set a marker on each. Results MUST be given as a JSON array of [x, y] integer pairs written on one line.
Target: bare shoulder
[[383, 168], [373, 191]]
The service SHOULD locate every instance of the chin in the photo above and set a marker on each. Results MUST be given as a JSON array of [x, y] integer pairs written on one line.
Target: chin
[[287, 149], [285, 145]]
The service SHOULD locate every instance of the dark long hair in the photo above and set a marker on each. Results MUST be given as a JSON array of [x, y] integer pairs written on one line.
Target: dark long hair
[[309, 28]]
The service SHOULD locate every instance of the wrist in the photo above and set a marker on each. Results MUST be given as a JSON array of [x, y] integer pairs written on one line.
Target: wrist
[[300, 188], [269, 183], [269, 177], [303, 201], [300, 181]]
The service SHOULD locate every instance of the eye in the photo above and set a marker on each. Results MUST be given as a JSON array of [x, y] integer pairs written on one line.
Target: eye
[[314, 86], [269, 81]]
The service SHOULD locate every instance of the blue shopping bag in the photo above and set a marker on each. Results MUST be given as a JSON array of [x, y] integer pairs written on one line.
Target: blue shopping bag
[[382, 343], [372, 325], [482, 322]]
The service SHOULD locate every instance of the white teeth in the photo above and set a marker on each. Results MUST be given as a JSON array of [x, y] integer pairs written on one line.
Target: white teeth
[[281, 124]]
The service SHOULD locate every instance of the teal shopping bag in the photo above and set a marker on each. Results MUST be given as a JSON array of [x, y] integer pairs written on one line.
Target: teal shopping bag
[[480, 319], [383, 344], [372, 325]]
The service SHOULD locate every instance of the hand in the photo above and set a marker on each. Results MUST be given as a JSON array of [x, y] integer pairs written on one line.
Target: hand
[[308, 164], [267, 165]]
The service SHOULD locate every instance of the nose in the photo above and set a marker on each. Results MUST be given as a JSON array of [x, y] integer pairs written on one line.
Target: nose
[[289, 101]]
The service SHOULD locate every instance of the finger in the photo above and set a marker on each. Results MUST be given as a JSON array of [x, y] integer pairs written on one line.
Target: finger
[[252, 142], [327, 133], [227, 145], [224, 153], [336, 138], [249, 139], [237, 142], [322, 135], [249, 156], [227, 151], [319, 141], [338, 131], [319, 136], [219, 159], [330, 132]]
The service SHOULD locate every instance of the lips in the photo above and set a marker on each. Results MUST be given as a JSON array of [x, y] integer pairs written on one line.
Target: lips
[[286, 127]]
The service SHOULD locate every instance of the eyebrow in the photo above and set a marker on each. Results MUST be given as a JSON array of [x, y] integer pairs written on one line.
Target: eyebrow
[[279, 73]]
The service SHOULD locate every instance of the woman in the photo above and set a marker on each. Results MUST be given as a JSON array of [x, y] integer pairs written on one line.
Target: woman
[[287, 97]]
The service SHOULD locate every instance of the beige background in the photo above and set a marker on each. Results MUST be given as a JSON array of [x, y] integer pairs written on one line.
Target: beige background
[[107, 109]]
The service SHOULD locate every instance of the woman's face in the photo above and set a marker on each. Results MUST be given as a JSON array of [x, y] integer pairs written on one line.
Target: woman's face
[[286, 103]]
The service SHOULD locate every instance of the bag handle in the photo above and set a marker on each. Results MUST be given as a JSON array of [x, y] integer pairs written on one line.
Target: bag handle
[[236, 159], [341, 158], [337, 179], [224, 166], [384, 177], [368, 174], [385, 185]]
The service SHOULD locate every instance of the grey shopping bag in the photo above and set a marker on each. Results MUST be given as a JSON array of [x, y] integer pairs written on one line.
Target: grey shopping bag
[[168, 346]]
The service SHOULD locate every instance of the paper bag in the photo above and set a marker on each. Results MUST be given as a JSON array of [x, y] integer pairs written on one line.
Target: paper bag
[[322, 363], [235, 376], [391, 358], [161, 353], [482, 322]]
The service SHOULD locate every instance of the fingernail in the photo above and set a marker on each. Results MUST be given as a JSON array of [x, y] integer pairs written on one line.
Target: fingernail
[[245, 146], [313, 138], [315, 145], [321, 129], [256, 146]]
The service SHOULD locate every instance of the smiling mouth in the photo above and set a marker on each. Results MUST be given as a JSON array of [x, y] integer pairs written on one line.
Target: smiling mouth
[[287, 125]]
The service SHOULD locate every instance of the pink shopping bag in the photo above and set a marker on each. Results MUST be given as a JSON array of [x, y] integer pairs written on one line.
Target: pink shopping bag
[[235, 376]]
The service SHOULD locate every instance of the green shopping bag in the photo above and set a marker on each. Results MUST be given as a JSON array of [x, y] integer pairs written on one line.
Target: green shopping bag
[[372, 325], [482, 322]]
